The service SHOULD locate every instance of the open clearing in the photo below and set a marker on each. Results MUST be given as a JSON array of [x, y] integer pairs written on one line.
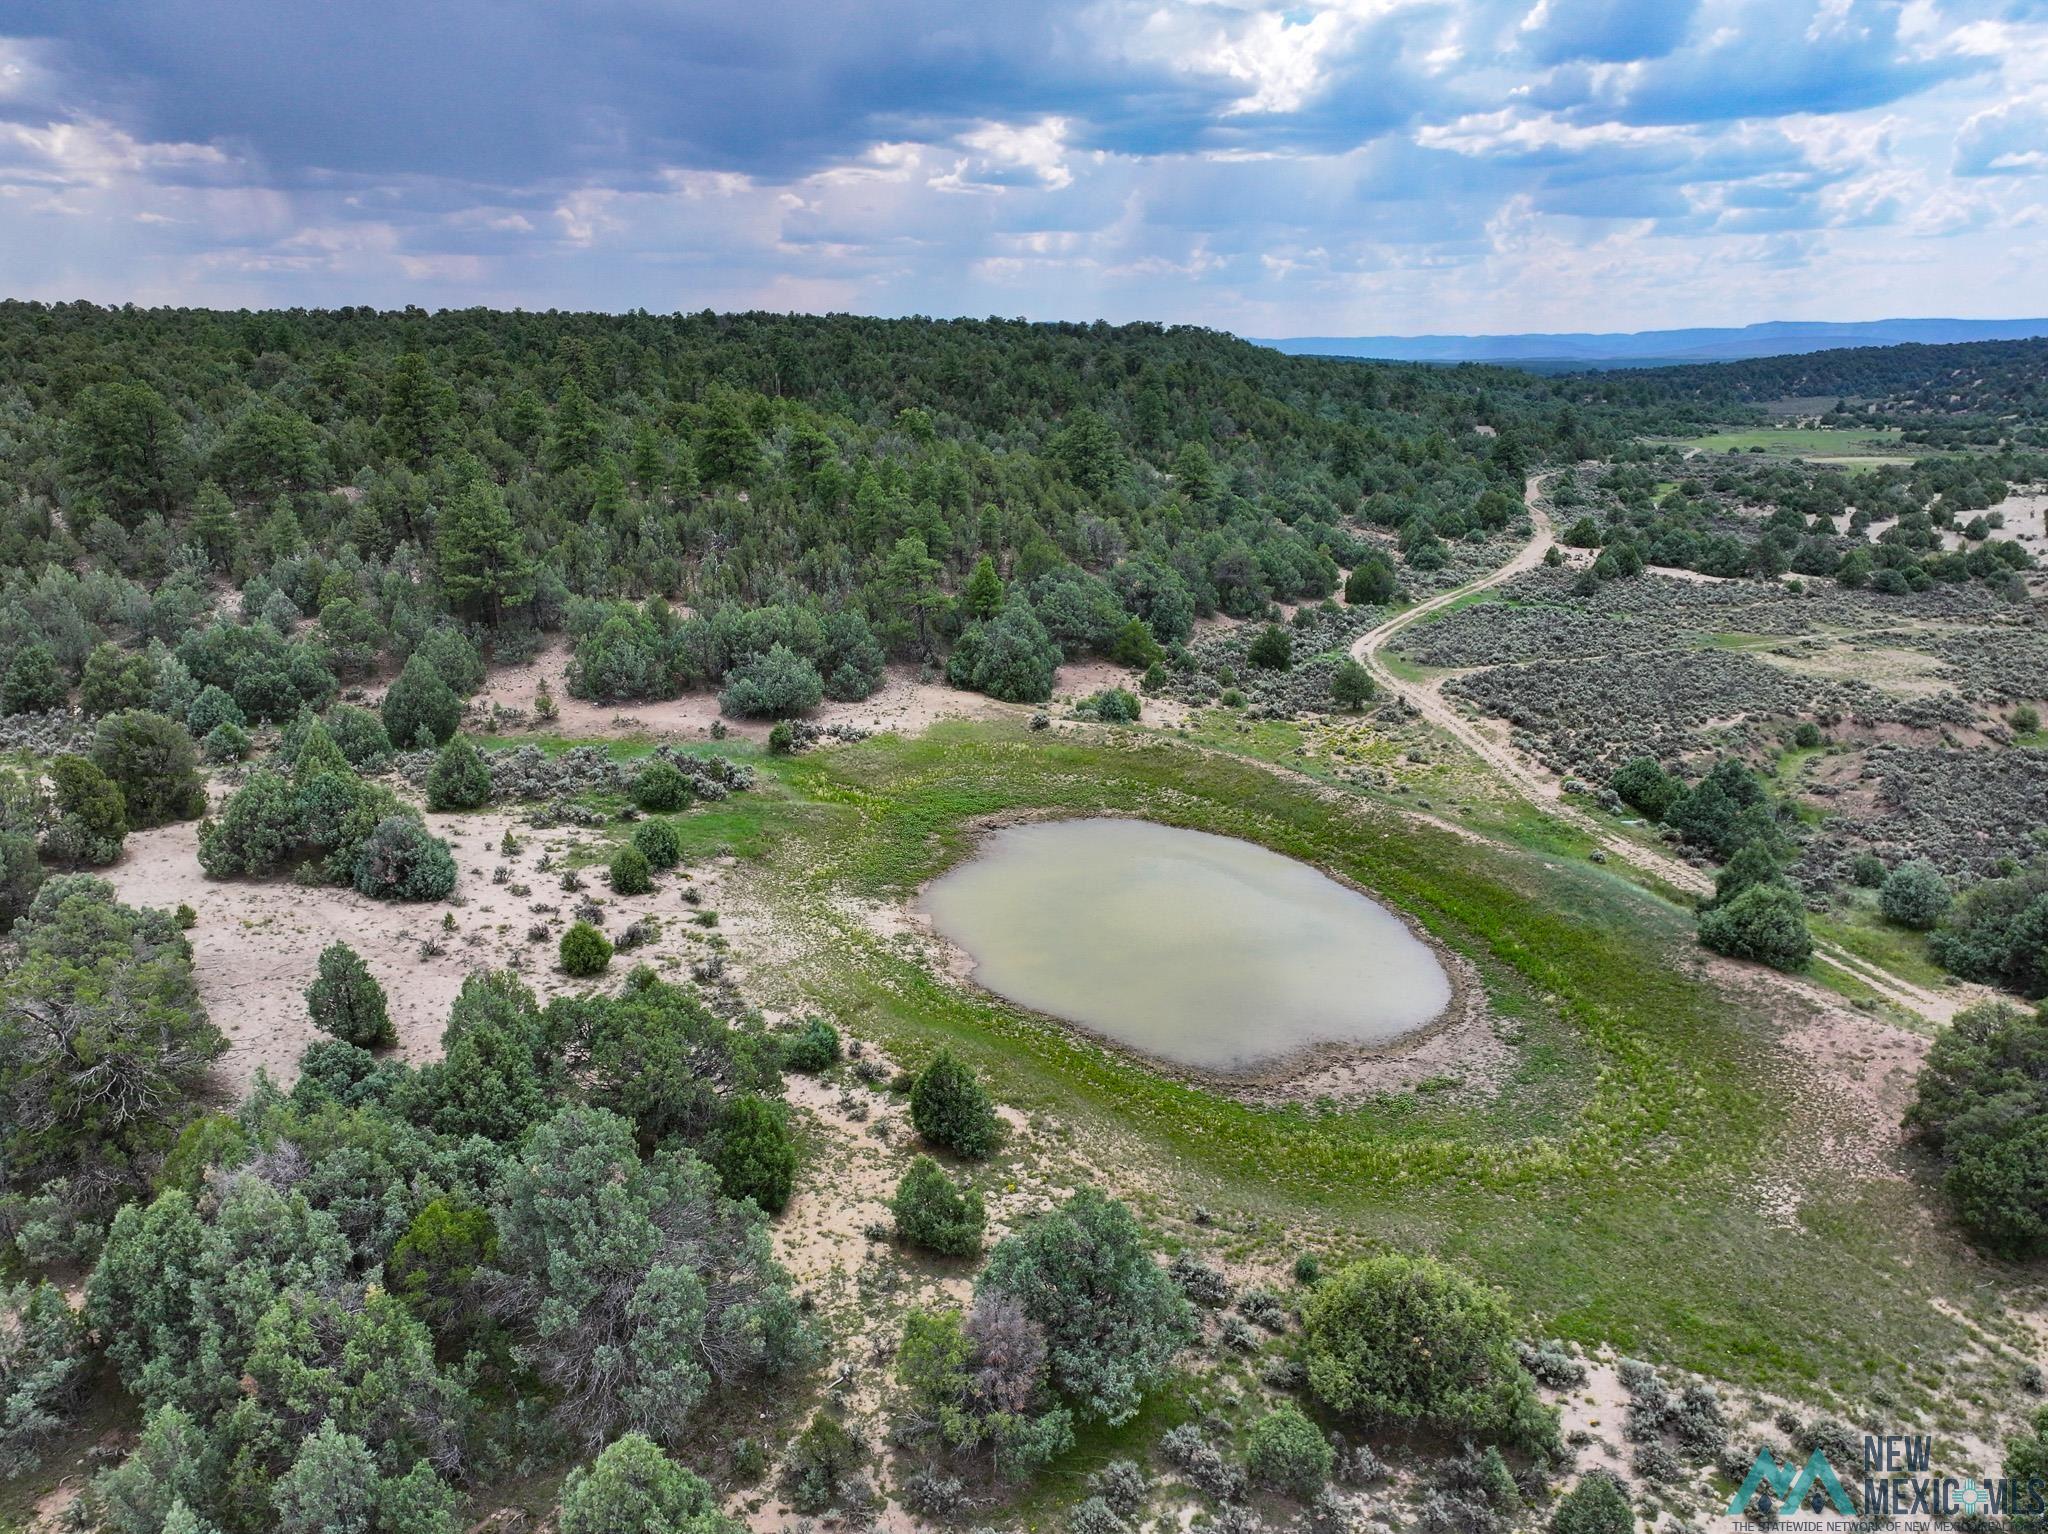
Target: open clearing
[[1816, 444]]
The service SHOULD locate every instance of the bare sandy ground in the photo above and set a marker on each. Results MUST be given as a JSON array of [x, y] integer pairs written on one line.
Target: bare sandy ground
[[908, 703], [2026, 521], [257, 945]]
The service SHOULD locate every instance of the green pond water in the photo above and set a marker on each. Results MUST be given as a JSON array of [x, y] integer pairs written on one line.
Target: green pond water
[[1201, 950]]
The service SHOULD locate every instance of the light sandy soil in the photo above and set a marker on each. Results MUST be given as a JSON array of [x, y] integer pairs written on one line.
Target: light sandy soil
[[257, 945], [2026, 521], [907, 704]]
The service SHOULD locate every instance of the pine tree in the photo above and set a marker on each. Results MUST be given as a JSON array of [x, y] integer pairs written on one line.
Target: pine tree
[[608, 499], [983, 597], [485, 572], [125, 448], [911, 597], [418, 407], [650, 465], [727, 452], [280, 536], [214, 527], [577, 438]]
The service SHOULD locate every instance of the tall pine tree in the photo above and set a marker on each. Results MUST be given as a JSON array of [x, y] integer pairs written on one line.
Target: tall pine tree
[[485, 572]]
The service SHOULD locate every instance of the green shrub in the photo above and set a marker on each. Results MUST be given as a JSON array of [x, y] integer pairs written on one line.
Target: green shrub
[[311, 750], [1866, 871], [658, 843], [1997, 931], [21, 875], [153, 762], [1408, 1343], [2025, 720], [852, 659], [781, 739], [634, 1488], [116, 679], [33, 684], [402, 860], [433, 1265], [451, 654], [1754, 864], [1113, 1321], [775, 684], [1982, 1107], [256, 831], [212, 708], [420, 708], [1371, 582], [1914, 895], [1273, 650], [459, 779], [661, 787], [42, 1369], [753, 1152], [1135, 647], [934, 1213], [1597, 1505], [1010, 657], [226, 743], [213, 1140], [1642, 784], [347, 1002], [950, 1109], [1351, 685], [812, 1048], [1765, 923], [2026, 1463], [1113, 705], [585, 951], [92, 821], [1288, 1452], [1725, 809], [823, 1467], [979, 1383], [360, 736], [328, 825], [628, 872], [271, 678]]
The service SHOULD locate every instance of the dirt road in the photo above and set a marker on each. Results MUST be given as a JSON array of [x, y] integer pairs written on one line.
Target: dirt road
[[1543, 791]]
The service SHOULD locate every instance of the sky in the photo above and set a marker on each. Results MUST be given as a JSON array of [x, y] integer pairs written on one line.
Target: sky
[[1340, 168]]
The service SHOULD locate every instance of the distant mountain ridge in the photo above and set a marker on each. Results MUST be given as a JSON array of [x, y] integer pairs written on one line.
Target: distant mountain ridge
[[1658, 348]]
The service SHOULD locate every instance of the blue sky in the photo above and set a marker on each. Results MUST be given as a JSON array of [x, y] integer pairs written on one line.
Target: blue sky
[[1366, 166]]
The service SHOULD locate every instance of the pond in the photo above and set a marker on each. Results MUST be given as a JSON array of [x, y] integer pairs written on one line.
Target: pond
[[1205, 951]]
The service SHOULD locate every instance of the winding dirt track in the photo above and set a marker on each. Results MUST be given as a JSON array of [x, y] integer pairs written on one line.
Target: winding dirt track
[[1428, 701]]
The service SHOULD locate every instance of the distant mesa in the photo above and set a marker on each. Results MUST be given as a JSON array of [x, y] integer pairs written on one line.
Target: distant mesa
[[1566, 351]]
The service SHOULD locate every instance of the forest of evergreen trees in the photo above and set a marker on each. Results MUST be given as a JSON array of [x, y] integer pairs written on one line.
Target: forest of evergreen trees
[[828, 485]]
